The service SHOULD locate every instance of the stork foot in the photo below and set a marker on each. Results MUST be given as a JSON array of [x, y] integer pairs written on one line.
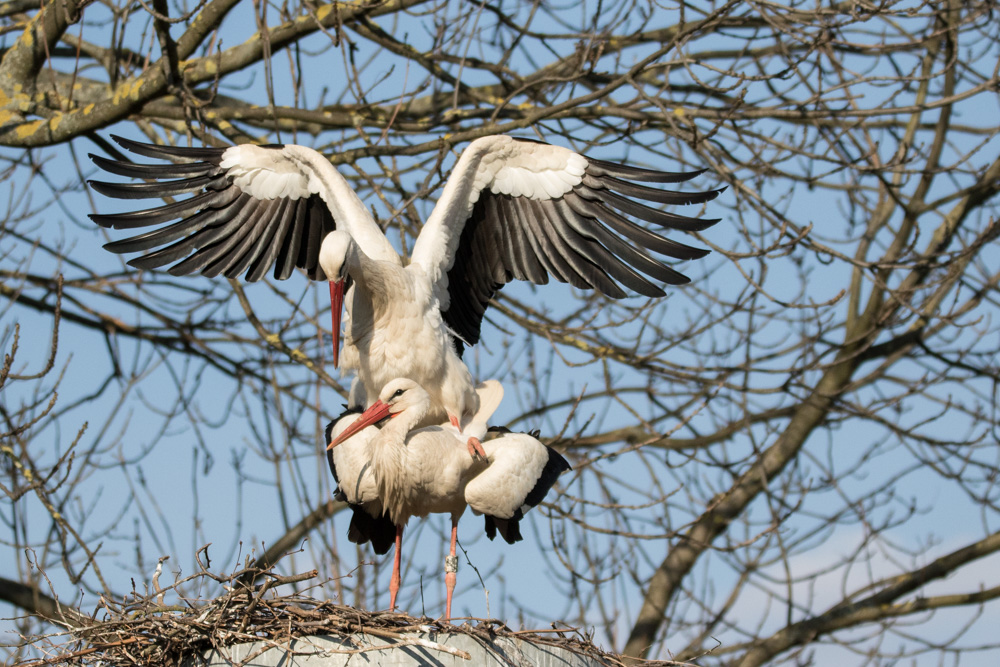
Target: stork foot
[[393, 591], [450, 578], [476, 450]]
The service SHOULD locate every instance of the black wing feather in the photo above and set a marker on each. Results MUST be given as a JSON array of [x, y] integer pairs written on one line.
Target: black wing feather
[[204, 154], [216, 225], [585, 238], [219, 229], [177, 231], [133, 170], [274, 243], [509, 529], [159, 188], [160, 214], [604, 168], [288, 256], [253, 244], [364, 527], [643, 212], [644, 238], [530, 245], [214, 260]]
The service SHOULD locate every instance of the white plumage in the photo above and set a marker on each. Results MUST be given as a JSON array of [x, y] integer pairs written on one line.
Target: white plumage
[[350, 464], [394, 329], [425, 471], [512, 209]]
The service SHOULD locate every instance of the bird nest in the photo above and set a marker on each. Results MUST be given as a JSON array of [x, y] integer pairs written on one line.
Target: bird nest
[[142, 630]]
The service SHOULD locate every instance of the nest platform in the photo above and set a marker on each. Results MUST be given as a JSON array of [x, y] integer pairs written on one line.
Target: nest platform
[[252, 625]]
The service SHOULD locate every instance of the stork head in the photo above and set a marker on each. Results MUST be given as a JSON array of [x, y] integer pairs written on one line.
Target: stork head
[[398, 396], [403, 394], [333, 261]]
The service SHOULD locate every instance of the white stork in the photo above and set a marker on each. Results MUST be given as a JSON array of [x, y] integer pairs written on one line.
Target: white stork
[[424, 471], [351, 468], [356, 484], [511, 209], [386, 300]]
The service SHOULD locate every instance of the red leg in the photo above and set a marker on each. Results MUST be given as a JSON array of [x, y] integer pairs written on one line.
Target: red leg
[[394, 582], [454, 422], [451, 568]]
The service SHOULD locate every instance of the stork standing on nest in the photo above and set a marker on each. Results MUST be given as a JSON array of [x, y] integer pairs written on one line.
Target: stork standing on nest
[[351, 468], [512, 209], [424, 471]]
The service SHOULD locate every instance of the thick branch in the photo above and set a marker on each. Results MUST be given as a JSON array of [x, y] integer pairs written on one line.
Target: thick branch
[[879, 605], [32, 600]]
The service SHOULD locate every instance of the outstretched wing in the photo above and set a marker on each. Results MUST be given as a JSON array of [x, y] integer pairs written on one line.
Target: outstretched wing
[[516, 209], [251, 209]]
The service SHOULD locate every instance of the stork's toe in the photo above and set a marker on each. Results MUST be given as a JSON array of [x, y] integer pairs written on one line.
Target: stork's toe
[[476, 450]]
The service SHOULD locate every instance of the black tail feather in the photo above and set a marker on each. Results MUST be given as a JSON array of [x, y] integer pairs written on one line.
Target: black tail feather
[[509, 529], [380, 531]]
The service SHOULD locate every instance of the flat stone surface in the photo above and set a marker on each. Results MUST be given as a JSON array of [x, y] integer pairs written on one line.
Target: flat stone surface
[[412, 649]]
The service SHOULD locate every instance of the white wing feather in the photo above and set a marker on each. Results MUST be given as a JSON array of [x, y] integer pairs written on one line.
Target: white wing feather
[[516, 462], [351, 459], [295, 172], [265, 173], [490, 394]]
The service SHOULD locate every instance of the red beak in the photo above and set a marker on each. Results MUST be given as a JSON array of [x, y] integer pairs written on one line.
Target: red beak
[[336, 310], [376, 413]]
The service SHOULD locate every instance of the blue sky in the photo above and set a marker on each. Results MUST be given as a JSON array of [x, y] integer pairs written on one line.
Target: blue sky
[[175, 468]]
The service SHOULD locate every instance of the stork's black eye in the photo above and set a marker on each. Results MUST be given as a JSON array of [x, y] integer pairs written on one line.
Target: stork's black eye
[[399, 392]]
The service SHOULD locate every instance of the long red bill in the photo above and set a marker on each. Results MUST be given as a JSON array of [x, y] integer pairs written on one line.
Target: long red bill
[[336, 310], [373, 415]]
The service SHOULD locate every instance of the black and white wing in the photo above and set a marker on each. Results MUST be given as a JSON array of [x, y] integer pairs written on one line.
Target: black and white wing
[[521, 472], [356, 485], [516, 209], [252, 207]]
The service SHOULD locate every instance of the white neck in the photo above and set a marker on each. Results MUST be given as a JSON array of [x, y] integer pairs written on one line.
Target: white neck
[[347, 209], [388, 456], [383, 283]]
